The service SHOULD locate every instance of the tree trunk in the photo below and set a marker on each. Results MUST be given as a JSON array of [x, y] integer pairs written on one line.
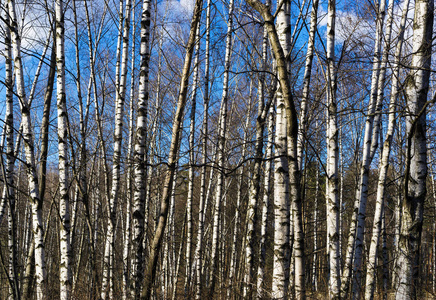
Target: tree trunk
[[306, 83], [64, 206], [221, 154], [38, 230], [266, 213], [203, 199], [384, 162], [139, 153], [7, 169], [332, 194], [281, 258], [172, 158], [191, 174], [417, 85], [355, 238]]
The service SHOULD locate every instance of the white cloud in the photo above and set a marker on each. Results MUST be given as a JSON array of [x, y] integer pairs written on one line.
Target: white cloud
[[322, 17], [348, 25]]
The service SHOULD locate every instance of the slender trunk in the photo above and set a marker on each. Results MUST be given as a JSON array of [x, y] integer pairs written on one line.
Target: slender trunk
[[306, 82], [378, 89], [221, 153], [202, 211], [130, 187], [233, 286], [355, 239], [116, 166], [385, 257], [332, 194], [172, 158], [65, 246], [384, 162], [8, 167], [139, 167], [266, 213], [191, 174], [81, 187], [315, 227], [38, 230], [252, 211], [174, 265], [290, 155]]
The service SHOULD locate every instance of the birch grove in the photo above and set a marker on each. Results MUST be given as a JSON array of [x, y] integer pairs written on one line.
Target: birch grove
[[249, 149]]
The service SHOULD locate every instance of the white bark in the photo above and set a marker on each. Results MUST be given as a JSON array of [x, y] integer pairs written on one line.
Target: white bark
[[191, 175], [306, 83], [156, 242], [315, 229], [237, 232], [332, 194], [7, 169], [281, 260], [355, 238], [65, 245], [266, 213], [38, 230], [130, 188], [417, 85], [202, 205], [107, 285], [139, 163], [220, 151], [384, 162]]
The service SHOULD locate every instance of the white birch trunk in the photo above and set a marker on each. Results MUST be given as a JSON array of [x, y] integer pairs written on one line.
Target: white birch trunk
[[266, 213], [384, 162], [281, 260], [191, 175], [130, 188], [233, 286], [202, 205], [38, 229], [139, 165], [260, 127], [220, 151], [290, 155], [156, 242], [355, 238], [417, 85], [332, 194], [107, 286], [385, 256], [8, 195], [315, 231], [306, 83], [64, 205]]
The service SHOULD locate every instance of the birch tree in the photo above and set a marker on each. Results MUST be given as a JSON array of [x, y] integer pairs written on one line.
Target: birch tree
[[417, 86], [65, 245], [291, 126], [28, 136], [156, 242], [221, 152], [191, 174], [203, 199], [332, 194], [116, 165], [371, 142], [8, 195], [384, 163], [139, 167], [355, 238]]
